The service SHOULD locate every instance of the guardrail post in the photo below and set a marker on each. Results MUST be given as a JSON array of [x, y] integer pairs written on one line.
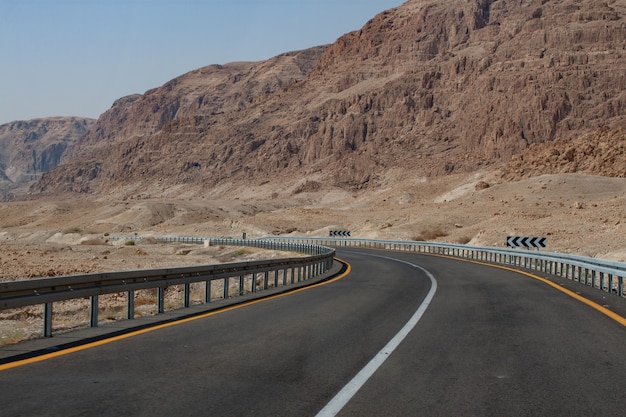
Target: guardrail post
[[241, 284], [620, 288], [130, 305], [266, 280], [602, 281], [207, 291], [93, 311], [276, 278], [226, 284], [187, 296], [160, 300], [47, 320]]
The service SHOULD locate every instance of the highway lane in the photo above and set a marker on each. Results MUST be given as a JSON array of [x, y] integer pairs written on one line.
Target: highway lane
[[498, 343], [491, 343], [285, 356]]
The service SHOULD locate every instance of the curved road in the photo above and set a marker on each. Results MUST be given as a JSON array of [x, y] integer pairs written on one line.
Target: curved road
[[490, 343]]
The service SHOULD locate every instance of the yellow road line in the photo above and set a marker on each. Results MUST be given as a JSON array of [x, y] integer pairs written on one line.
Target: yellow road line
[[164, 325]]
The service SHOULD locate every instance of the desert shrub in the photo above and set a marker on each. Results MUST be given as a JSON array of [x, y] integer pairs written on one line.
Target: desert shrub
[[430, 233], [13, 336], [463, 240]]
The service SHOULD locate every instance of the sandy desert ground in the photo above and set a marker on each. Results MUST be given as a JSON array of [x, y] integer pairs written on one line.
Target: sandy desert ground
[[578, 213]]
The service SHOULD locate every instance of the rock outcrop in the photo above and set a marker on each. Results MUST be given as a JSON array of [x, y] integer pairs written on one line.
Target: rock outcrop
[[602, 152]]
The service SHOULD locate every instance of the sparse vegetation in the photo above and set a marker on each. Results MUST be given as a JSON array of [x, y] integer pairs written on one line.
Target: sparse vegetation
[[113, 313], [129, 243], [13, 336], [430, 233]]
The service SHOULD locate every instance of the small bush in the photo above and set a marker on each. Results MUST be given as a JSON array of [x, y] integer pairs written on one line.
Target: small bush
[[464, 240], [12, 337], [129, 243], [430, 233]]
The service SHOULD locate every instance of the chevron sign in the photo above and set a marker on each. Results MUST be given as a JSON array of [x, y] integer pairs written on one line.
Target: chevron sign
[[527, 242], [339, 233]]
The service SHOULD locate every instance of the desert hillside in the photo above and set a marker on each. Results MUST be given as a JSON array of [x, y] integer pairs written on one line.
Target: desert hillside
[[431, 87], [30, 148]]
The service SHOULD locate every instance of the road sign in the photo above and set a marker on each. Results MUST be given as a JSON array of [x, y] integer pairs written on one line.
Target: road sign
[[527, 242], [343, 233]]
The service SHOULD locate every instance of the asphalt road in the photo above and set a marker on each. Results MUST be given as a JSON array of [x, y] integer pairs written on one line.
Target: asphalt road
[[491, 343]]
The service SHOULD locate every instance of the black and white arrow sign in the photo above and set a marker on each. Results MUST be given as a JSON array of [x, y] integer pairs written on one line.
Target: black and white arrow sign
[[343, 233], [527, 242]]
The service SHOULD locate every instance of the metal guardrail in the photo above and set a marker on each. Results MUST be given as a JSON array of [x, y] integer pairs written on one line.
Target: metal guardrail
[[604, 275], [286, 271]]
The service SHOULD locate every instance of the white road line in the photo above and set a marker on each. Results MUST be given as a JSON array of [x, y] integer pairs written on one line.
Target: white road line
[[347, 392]]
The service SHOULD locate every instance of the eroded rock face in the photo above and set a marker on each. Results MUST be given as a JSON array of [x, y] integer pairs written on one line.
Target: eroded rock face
[[431, 86], [602, 152], [30, 148]]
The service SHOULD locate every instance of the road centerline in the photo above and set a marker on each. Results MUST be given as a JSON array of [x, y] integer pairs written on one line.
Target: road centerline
[[337, 403]]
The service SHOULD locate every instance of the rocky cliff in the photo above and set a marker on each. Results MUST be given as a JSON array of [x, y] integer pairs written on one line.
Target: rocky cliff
[[433, 87], [30, 148]]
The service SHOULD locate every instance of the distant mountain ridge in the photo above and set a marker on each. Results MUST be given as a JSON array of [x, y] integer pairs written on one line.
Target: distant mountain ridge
[[30, 148], [431, 87]]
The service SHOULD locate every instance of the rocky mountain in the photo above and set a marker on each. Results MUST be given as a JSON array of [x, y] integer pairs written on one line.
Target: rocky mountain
[[430, 87], [30, 148]]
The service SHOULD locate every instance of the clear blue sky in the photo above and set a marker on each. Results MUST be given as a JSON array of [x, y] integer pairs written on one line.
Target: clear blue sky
[[75, 57]]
